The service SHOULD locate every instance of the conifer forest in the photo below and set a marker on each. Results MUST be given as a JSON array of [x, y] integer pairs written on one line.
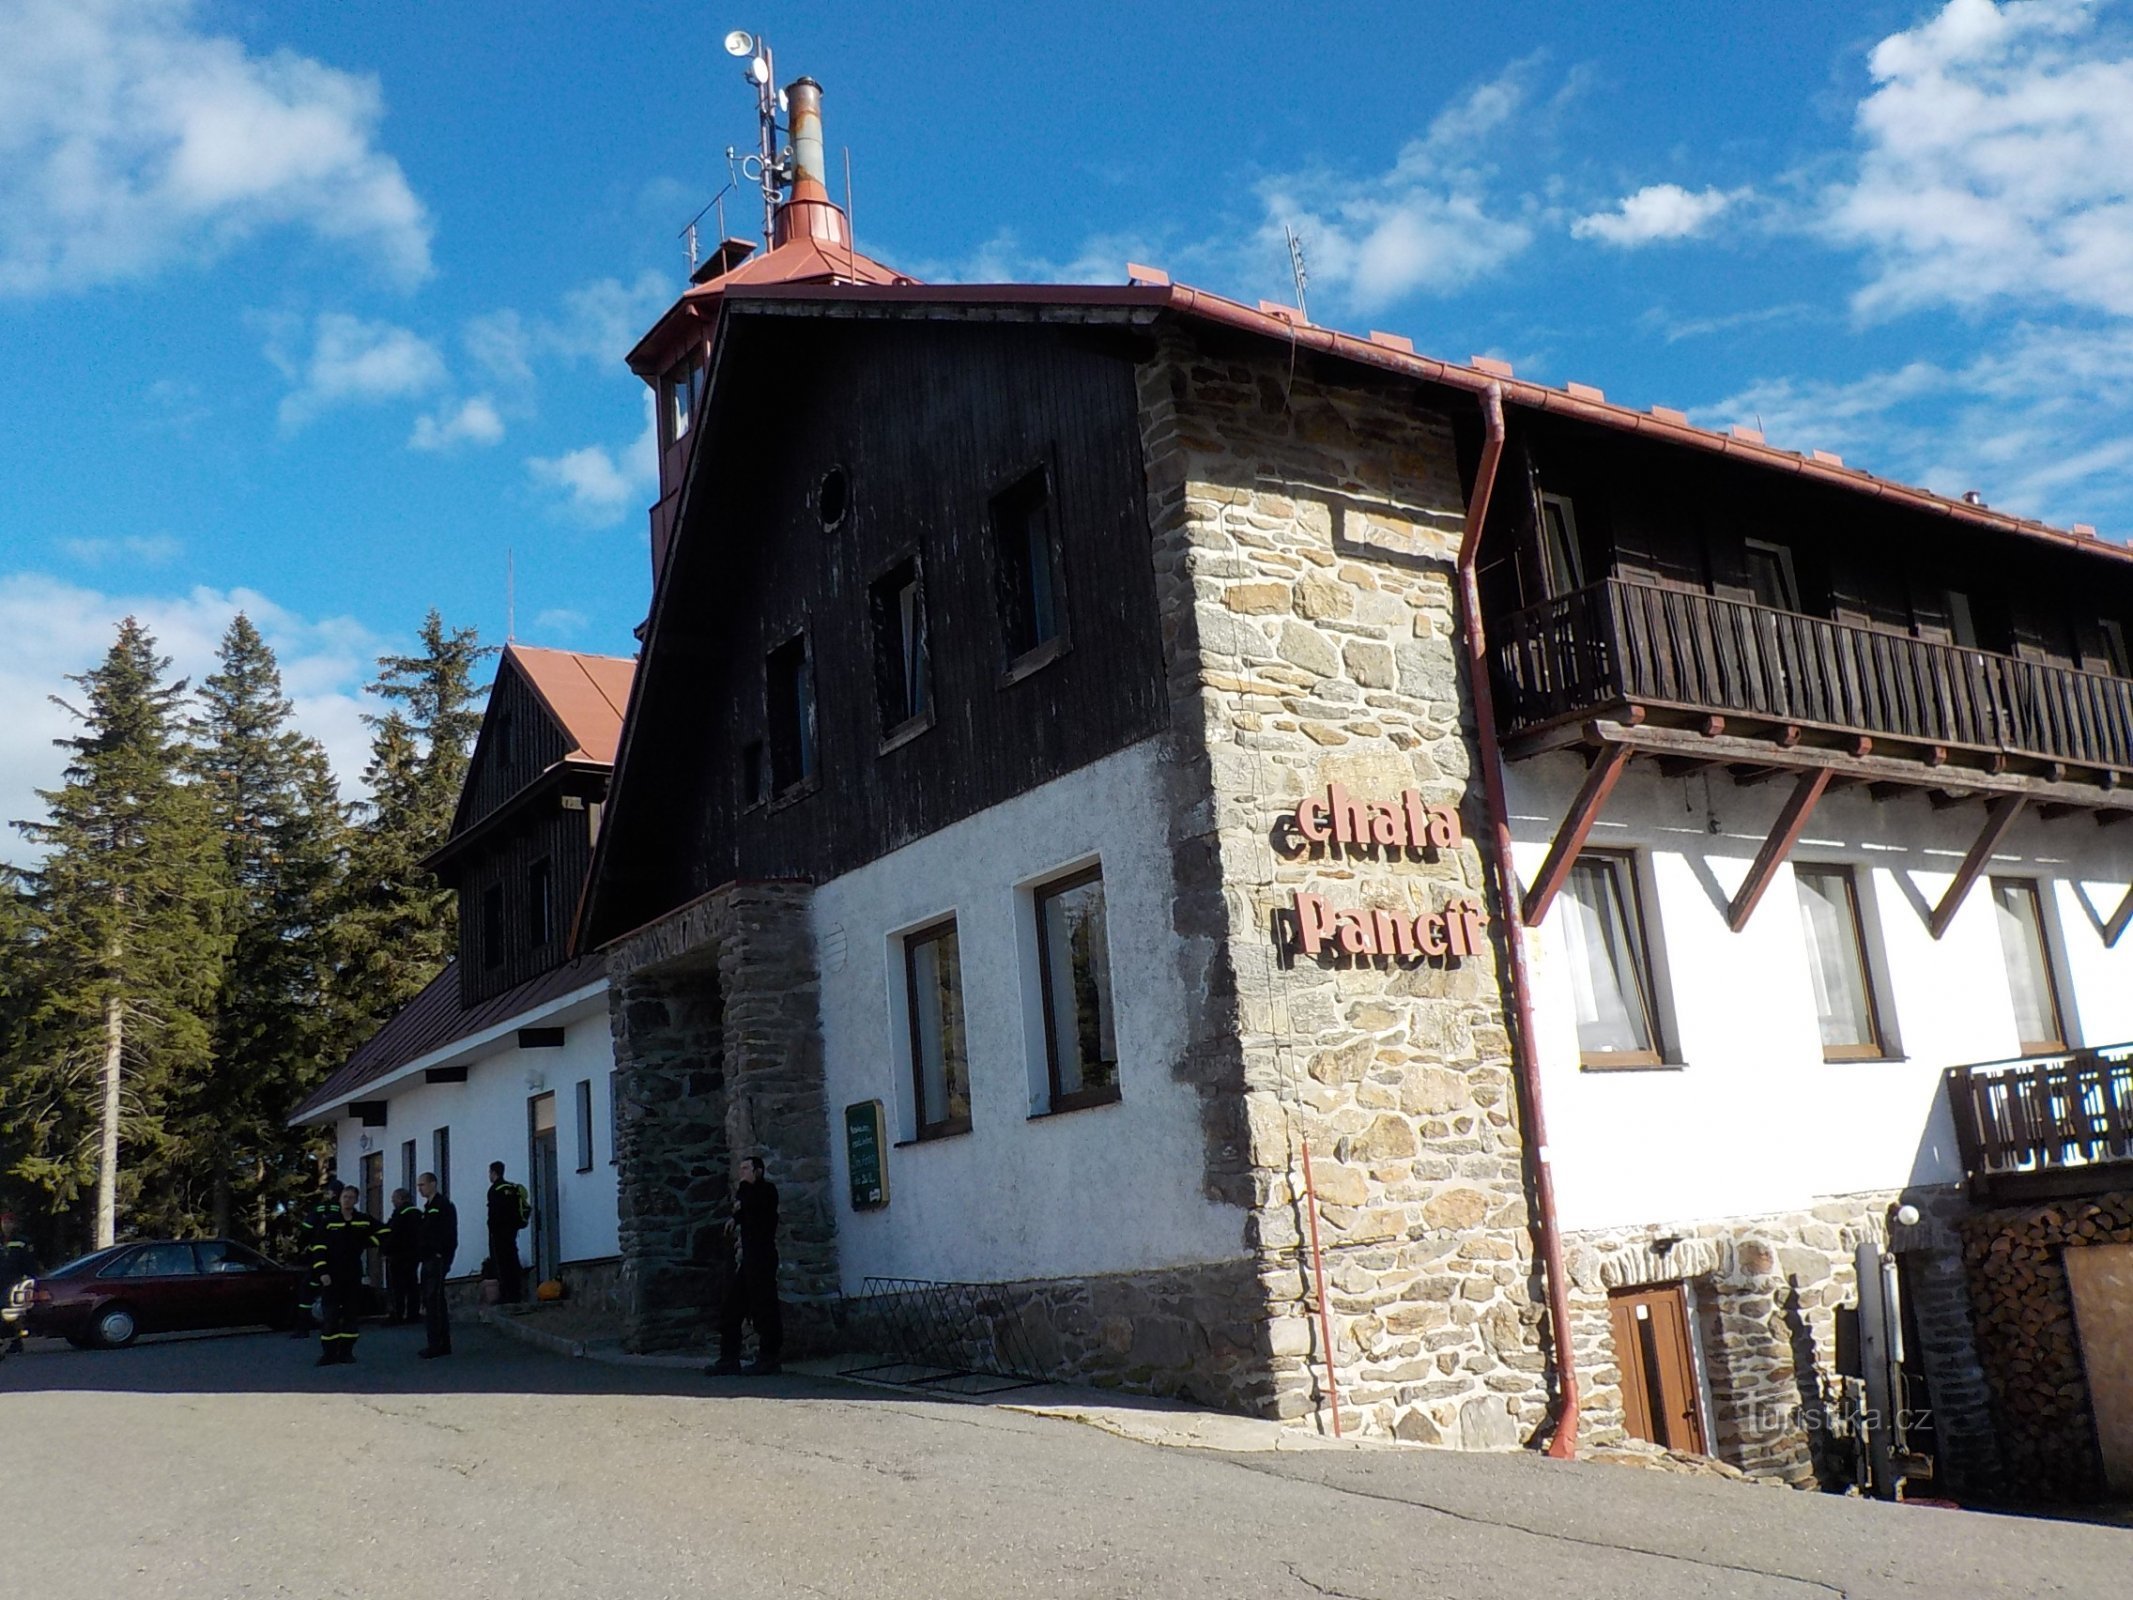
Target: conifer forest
[[200, 926]]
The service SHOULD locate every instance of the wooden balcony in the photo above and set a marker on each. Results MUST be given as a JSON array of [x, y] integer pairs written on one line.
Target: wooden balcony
[[2046, 1126], [1881, 705]]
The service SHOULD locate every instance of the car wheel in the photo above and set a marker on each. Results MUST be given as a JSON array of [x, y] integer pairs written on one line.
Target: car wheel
[[115, 1328]]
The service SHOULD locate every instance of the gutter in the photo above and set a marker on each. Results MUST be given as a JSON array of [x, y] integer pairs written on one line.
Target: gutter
[[1563, 1446]]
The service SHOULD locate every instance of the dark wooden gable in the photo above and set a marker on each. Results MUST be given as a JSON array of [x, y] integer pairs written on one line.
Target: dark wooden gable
[[928, 424], [519, 740]]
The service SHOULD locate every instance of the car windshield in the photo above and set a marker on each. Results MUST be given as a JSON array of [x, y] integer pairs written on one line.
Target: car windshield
[[84, 1264]]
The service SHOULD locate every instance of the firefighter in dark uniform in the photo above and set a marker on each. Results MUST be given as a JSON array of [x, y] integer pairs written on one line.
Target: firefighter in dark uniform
[[752, 1294], [319, 1210], [510, 1209], [403, 1255], [337, 1261], [17, 1261], [439, 1237]]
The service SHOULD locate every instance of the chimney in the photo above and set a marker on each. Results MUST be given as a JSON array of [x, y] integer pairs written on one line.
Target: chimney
[[807, 212]]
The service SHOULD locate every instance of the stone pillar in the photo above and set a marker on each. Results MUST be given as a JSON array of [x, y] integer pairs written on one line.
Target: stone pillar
[[718, 1052]]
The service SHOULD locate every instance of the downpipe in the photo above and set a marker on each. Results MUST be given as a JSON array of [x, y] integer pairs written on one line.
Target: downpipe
[[1563, 1444]]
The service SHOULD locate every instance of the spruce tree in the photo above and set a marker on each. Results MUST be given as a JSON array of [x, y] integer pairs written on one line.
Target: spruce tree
[[125, 916], [397, 925], [280, 826]]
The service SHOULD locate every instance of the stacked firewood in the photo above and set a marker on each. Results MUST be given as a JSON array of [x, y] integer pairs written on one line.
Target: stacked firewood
[[2027, 1343]]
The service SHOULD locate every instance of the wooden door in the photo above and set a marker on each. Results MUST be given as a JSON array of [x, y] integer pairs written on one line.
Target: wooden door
[[2101, 1277], [1658, 1366]]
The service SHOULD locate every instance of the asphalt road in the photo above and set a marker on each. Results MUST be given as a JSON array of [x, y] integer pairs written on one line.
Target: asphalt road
[[230, 1466]]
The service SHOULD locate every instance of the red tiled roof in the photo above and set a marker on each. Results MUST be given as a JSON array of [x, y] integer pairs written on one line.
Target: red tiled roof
[[435, 1019], [586, 694]]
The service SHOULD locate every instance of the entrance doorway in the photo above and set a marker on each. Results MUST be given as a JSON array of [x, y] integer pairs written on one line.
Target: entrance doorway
[[1657, 1359], [547, 1211]]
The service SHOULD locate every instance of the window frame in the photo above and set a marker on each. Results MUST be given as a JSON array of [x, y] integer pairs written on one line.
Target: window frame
[[582, 1100], [1620, 865], [1057, 1099], [2033, 889], [1573, 553], [908, 944], [1033, 486], [409, 1168], [441, 1158], [806, 731], [880, 597], [1877, 1047], [1788, 574]]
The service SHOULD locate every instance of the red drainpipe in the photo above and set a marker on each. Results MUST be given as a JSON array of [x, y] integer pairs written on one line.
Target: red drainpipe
[[1564, 1445]]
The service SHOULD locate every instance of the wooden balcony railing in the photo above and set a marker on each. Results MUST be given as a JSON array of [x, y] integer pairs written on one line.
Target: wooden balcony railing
[[2049, 1125], [1620, 642]]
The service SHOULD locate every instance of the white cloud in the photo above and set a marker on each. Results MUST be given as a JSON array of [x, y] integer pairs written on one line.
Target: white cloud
[[140, 550], [598, 322], [472, 421], [129, 138], [1428, 224], [1657, 211], [1996, 162], [356, 362], [2036, 424], [54, 628], [560, 622], [598, 486]]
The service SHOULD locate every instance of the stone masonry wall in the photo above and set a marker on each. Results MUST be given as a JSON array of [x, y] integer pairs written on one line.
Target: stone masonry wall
[[1304, 540], [1767, 1292], [718, 1052]]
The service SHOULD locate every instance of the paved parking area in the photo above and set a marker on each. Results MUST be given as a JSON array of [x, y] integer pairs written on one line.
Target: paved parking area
[[230, 1466]]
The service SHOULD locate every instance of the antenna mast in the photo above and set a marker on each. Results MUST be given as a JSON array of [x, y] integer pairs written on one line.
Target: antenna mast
[[1296, 269], [754, 49], [510, 596]]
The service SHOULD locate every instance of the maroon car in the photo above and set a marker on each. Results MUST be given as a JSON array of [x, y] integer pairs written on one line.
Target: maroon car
[[111, 1298]]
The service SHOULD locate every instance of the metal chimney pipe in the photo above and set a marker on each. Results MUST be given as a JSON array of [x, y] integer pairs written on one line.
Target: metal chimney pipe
[[803, 113]]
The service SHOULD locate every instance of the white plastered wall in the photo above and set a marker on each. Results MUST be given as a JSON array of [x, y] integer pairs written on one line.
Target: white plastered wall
[[488, 1119], [1751, 1119], [1108, 1189]]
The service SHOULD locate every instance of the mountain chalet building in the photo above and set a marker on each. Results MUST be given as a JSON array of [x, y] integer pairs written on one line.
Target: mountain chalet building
[[1110, 767], [505, 1056]]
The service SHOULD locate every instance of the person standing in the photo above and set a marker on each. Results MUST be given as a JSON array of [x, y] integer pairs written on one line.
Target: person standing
[[337, 1259], [752, 1296], [403, 1257], [510, 1209], [311, 1223], [438, 1237], [17, 1262]]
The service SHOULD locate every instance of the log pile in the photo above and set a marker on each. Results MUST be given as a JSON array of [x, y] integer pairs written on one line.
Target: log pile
[[2026, 1339]]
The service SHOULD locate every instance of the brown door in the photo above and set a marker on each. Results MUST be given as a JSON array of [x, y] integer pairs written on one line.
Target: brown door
[[1658, 1366]]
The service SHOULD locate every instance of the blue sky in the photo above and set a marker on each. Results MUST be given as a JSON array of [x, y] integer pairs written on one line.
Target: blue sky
[[321, 310]]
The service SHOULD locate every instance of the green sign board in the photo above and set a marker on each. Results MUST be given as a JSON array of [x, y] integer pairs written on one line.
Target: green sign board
[[863, 1147]]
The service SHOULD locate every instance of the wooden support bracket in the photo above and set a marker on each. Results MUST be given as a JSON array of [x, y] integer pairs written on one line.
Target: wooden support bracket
[[1570, 838], [2119, 919], [1784, 834], [1999, 817]]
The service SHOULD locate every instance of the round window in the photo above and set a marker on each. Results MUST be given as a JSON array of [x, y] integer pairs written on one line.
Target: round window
[[833, 497]]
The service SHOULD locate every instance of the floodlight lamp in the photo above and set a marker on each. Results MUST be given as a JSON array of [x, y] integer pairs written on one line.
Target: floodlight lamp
[[740, 43], [759, 69]]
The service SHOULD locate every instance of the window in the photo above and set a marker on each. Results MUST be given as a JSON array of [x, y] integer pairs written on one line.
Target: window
[[1026, 567], [540, 903], [441, 1159], [791, 705], [680, 390], [1770, 575], [902, 667], [1074, 966], [373, 1173], [1836, 959], [1562, 561], [407, 1166], [492, 925], [221, 1257], [1610, 968], [1962, 622], [940, 1064], [585, 1125], [155, 1261], [833, 499], [2039, 1022]]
